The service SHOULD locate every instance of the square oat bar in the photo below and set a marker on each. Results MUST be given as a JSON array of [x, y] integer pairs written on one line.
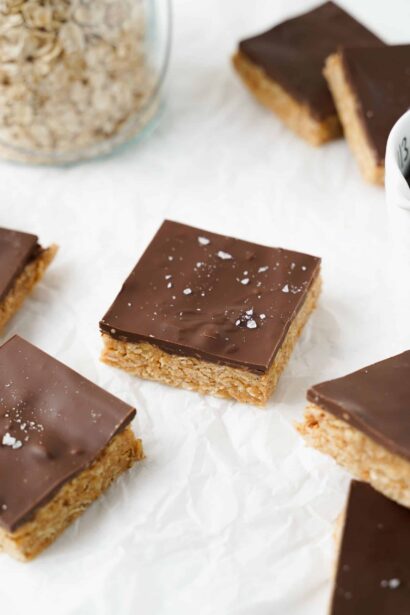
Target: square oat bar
[[211, 313], [363, 421], [371, 90], [22, 264], [63, 440], [373, 568]]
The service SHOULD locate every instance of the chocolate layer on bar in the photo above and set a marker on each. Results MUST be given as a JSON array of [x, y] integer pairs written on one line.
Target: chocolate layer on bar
[[375, 400], [53, 424], [16, 251], [294, 52], [373, 572], [380, 81], [212, 297]]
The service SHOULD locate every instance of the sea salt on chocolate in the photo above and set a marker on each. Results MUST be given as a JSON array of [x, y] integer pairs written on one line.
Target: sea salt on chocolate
[[373, 571], [53, 425], [216, 312]]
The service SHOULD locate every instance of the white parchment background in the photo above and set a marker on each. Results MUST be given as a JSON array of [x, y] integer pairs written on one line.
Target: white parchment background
[[230, 514]]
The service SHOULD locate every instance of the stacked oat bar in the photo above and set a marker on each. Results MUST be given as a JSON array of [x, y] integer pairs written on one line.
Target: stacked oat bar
[[323, 74]]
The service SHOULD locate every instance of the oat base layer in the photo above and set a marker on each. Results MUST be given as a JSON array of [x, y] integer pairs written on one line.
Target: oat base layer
[[148, 361], [295, 115], [347, 108], [24, 284], [73, 498], [364, 458]]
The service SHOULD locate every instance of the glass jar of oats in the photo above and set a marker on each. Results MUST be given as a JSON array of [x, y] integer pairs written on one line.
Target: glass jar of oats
[[79, 77]]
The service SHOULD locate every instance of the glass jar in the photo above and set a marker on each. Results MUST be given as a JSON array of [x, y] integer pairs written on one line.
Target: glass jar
[[79, 77]]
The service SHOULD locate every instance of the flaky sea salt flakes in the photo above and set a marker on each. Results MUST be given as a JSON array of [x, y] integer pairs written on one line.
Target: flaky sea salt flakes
[[245, 281], [225, 256], [203, 241], [303, 267], [187, 291], [263, 269], [246, 318], [251, 324], [285, 289], [169, 285], [168, 276], [390, 583], [9, 440], [262, 316]]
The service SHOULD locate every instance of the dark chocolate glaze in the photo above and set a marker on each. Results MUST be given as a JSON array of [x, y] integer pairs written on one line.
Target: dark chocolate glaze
[[375, 400], [373, 571], [380, 80], [293, 53], [16, 250], [53, 424], [213, 297]]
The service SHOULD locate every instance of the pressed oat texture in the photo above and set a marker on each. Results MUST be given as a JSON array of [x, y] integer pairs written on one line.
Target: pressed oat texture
[[211, 313], [295, 115], [24, 284], [371, 90], [282, 67], [150, 362], [346, 104], [365, 459], [30, 539], [63, 440]]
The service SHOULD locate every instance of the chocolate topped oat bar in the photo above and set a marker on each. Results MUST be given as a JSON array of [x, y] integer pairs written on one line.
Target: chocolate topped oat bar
[[62, 441], [363, 421], [211, 313], [283, 67], [22, 264]]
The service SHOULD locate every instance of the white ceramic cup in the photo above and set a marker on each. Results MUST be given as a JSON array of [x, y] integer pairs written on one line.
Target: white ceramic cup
[[398, 208]]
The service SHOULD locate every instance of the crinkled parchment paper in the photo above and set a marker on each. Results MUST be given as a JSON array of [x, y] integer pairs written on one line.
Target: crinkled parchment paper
[[229, 514]]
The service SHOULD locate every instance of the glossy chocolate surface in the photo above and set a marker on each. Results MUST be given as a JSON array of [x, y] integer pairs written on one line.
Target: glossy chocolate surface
[[375, 400], [293, 53], [212, 297], [53, 424], [380, 80], [16, 250], [373, 572]]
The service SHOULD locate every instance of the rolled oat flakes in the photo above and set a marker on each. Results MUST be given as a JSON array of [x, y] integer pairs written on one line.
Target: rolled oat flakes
[[74, 77]]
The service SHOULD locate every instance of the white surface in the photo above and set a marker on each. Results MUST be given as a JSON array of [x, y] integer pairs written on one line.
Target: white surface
[[230, 514]]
